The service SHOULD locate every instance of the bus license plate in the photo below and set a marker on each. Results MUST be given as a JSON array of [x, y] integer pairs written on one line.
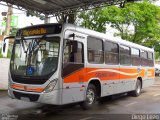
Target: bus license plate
[[25, 99]]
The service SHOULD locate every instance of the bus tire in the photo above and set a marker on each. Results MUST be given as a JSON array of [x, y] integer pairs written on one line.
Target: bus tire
[[138, 88], [91, 95]]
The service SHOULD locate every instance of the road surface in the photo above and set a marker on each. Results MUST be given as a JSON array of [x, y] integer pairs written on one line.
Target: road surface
[[121, 107]]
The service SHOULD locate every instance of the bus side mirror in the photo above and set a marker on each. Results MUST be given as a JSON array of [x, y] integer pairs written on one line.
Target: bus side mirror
[[4, 47], [72, 35], [5, 44]]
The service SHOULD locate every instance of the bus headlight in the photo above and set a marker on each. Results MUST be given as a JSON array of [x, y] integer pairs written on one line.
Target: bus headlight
[[50, 86]]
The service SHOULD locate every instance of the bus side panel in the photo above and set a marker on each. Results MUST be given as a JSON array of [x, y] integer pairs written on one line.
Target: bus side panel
[[113, 80], [110, 79], [73, 83], [73, 87], [108, 76], [125, 81], [149, 77], [128, 76]]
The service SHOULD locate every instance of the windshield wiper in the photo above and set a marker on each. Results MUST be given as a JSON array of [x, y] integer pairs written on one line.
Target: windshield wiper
[[23, 47], [22, 42], [33, 46]]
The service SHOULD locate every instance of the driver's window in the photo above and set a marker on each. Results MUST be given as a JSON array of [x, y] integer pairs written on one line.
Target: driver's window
[[73, 52]]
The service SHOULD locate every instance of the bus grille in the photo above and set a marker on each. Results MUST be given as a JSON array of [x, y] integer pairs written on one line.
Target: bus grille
[[32, 97]]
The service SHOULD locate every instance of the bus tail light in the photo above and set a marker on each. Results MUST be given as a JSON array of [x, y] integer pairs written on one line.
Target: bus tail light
[[50, 86]]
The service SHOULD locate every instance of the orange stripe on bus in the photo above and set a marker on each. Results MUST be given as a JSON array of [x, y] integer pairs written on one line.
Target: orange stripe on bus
[[151, 73], [85, 74], [14, 86], [35, 89], [25, 88], [77, 76]]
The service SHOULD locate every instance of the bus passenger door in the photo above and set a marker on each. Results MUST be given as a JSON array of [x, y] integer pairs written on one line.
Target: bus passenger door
[[73, 72]]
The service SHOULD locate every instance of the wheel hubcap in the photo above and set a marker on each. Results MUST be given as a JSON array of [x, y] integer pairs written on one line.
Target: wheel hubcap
[[90, 96]]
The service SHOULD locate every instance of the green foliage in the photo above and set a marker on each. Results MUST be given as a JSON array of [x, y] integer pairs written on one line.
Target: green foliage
[[32, 13], [9, 51], [136, 22], [1, 53], [92, 19], [143, 17], [13, 31], [157, 55], [69, 18]]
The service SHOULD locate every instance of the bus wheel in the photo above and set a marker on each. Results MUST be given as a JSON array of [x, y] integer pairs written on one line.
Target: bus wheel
[[137, 90], [91, 95]]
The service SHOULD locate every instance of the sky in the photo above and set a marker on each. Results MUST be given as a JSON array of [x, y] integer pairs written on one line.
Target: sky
[[157, 3]]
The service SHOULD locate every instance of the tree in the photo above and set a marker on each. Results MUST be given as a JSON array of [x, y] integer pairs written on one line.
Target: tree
[[92, 19], [142, 17], [13, 31], [66, 18]]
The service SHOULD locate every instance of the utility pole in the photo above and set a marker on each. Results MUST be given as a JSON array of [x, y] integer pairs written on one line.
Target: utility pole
[[8, 21]]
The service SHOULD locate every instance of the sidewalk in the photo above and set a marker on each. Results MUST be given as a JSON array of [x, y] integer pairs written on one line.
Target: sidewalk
[[4, 66]]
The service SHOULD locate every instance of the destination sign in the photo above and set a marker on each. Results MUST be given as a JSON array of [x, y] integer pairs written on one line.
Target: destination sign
[[40, 30], [32, 32]]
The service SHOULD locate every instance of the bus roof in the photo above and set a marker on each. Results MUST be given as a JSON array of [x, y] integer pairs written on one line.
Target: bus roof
[[93, 34], [107, 37]]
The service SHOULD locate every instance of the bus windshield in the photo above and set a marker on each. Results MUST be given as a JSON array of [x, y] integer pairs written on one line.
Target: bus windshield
[[35, 57]]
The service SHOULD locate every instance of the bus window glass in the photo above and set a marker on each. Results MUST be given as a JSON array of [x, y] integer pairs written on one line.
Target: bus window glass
[[135, 53], [125, 57], [143, 54], [150, 59], [35, 57], [73, 52], [111, 53], [73, 57], [150, 56], [95, 50], [144, 58]]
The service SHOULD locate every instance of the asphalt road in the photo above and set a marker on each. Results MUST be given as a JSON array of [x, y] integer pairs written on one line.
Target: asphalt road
[[120, 107]]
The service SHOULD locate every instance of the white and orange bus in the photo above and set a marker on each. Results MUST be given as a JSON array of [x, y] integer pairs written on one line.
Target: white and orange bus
[[62, 63]]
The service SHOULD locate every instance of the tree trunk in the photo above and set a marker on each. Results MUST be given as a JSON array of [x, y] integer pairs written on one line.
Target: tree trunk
[[66, 18], [47, 19]]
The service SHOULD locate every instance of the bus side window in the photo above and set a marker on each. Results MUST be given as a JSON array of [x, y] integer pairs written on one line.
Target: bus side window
[[125, 56], [144, 57], [95, 50], [135, 53], [73, 52], [111, 53], [73, 57], [150, 61]]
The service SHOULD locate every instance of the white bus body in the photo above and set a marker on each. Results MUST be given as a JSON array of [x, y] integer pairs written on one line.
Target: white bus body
[[99, 65]]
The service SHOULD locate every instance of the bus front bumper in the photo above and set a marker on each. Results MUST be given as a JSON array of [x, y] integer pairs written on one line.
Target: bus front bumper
[[47, 98]]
